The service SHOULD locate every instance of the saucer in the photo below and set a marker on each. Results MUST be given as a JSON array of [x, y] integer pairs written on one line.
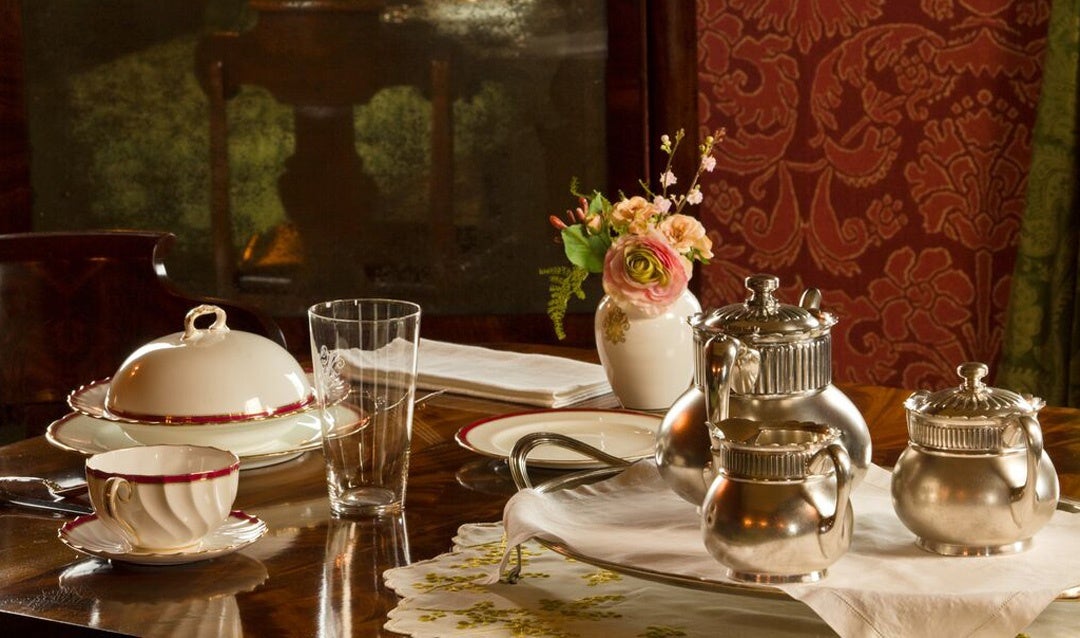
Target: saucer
[[87, 435], [88, 535]]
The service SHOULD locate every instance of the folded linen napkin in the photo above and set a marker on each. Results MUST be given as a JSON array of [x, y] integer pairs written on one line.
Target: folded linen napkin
[[533, 379], [883, 586]]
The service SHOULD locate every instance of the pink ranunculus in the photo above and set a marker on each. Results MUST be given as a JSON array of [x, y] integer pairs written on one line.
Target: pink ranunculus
[[645, 272]]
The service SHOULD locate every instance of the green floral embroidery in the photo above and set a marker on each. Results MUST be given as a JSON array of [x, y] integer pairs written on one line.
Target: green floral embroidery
[[432, 616], [661, 631], [601, 576], [583, 608], [489, 554], [433, 581], [543, 623]]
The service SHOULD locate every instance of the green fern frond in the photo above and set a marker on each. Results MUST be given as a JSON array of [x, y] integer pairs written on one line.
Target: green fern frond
[[563, 282]]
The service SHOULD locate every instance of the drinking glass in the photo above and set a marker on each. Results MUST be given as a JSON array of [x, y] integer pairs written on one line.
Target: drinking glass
[[364, 353]]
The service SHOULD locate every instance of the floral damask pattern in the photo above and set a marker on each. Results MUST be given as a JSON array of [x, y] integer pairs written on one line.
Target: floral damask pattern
[[877, 151]]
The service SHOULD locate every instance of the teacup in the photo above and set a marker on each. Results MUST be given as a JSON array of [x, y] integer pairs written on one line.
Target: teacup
[[163, 497]]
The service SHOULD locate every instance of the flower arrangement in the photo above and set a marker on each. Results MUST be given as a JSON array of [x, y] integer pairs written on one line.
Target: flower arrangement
[[644, 246]]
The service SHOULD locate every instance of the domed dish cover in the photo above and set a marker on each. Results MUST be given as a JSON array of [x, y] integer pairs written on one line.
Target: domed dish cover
[[973, 417], [207, 375]]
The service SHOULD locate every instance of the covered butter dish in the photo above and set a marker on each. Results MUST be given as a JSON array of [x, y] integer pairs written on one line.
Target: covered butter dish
[[974, 478], [200, 376]]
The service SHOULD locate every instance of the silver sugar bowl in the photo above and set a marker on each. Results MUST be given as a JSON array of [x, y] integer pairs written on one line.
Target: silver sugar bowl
[[763, 360], [974, 479], [778, 510]]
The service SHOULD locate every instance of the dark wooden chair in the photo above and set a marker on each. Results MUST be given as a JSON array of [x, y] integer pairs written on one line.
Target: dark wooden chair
[[73, 306]]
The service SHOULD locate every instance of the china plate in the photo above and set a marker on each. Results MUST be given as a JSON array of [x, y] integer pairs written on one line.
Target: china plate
[[88, 535], [627, 435], [87, 435], [89, 399]]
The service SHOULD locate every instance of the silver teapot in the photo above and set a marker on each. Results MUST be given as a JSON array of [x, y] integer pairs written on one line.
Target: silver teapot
[[778, 510], [974, 479], [760, 360]]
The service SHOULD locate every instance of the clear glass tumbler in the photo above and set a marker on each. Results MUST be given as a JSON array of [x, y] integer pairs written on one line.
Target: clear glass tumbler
[[364, 353]]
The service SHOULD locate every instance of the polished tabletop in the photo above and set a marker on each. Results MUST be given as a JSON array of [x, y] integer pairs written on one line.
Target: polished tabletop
[[313, 574]]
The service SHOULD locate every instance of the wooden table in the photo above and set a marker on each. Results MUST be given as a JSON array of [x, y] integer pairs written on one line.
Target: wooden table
[[313, 574]]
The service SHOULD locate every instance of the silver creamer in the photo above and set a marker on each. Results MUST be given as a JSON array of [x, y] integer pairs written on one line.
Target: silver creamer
[[778, 510]]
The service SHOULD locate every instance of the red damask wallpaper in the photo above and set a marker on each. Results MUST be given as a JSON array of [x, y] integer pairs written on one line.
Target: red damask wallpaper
[[878, 151]]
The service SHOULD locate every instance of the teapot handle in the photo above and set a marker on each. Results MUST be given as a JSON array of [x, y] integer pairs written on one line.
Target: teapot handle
[[832, 531], [1026, 497], [722, 353]]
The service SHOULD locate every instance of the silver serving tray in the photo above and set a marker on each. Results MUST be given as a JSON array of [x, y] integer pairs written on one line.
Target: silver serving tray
[[519, 470]]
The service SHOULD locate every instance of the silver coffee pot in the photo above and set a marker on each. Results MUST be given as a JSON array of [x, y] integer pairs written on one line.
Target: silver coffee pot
[[974, 479], [760, 360], [778, 510]]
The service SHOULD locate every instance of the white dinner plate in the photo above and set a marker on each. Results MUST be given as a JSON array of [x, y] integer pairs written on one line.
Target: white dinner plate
[[627, 435], [88, 535], [88, 435]]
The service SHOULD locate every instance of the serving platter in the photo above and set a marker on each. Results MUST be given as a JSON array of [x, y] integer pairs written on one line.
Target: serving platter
[[624, 434]]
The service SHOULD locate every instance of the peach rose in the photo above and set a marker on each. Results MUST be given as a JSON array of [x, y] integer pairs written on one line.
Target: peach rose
[[633, 215], [685, 233]]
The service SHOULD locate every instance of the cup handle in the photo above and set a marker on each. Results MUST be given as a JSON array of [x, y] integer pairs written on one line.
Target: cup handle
[[118, 490], [832, 531]]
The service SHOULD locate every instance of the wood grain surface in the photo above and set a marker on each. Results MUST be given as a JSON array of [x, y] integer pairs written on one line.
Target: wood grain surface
[[314, 574]]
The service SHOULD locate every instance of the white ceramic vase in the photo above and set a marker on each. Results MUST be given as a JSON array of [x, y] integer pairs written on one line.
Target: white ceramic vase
[[649, 360]]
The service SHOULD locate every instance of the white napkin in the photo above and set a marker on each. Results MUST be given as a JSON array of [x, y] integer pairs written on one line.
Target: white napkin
[[533, 379], [883, 586]]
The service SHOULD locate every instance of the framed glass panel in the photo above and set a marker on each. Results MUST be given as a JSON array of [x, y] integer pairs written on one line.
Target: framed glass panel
[[409, 149]]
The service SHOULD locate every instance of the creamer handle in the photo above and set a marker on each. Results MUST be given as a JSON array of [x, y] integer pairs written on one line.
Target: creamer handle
[[833, 532]]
